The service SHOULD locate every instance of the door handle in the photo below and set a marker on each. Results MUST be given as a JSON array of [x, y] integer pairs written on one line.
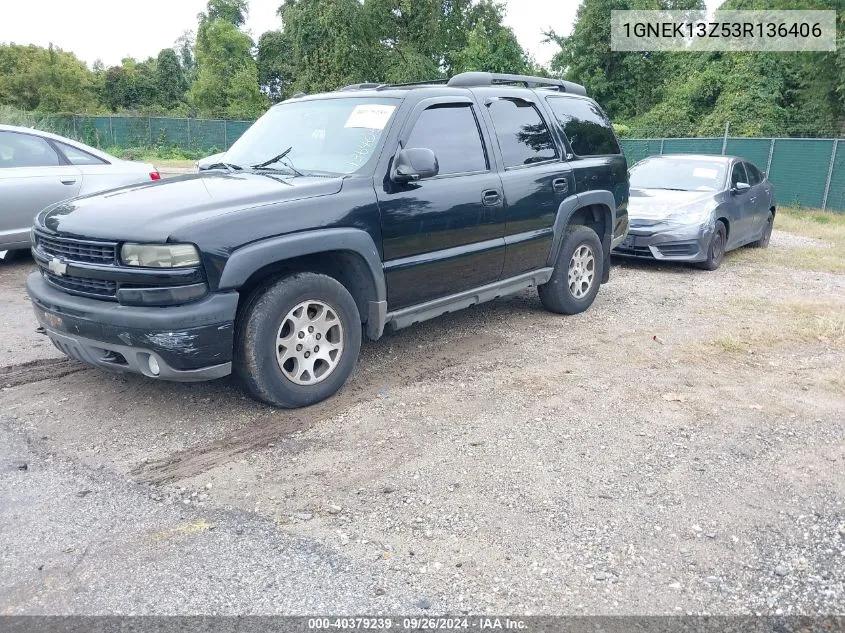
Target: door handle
[[560, 185], [490, 198], [69, 181]]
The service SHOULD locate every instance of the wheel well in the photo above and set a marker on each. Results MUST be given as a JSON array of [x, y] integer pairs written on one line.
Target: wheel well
[[347, 267], [773, 210], [727, 224], [594, 216]]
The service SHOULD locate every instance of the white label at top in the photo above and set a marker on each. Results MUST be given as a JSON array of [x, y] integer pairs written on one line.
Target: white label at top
[[373, 116]]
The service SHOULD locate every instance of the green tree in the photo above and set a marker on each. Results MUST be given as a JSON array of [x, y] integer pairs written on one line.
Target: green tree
[[492, 47], [224, 59], [275, 70], [232, 11], [170, 81], [49, 80]]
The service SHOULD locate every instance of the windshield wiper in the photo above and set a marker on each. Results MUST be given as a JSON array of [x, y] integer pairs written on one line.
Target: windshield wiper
[[226, 166], [278, 159]]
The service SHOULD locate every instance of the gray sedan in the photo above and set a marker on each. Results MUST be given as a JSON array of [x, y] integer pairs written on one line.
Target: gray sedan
[[695, 208], [38, 169]]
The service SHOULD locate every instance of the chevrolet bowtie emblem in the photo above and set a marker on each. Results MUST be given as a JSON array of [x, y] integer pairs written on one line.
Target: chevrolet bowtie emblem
[[57, 267]]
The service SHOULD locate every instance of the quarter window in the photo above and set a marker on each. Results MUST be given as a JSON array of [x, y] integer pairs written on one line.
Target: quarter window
[[78, 156], [26, 150], [523, 136], [588, 129], [451, 132]]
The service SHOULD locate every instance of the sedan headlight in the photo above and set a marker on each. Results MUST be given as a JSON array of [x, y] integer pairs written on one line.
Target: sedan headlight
[[692, 214], [160, 255]]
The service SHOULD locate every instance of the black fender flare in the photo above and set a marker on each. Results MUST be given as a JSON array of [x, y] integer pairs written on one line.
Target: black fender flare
[[597, 197], [245, 261]]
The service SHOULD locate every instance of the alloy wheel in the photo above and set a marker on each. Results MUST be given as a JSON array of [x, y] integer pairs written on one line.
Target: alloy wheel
[[309, 343], [582, 271]]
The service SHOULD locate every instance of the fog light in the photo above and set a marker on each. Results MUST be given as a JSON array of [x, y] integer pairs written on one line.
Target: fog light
[[154, 368]]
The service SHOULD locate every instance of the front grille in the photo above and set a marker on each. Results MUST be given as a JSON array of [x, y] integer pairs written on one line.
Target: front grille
[[72, 250], [90, 287]]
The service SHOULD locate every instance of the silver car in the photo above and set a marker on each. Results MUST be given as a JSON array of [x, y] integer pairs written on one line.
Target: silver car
[[695, 208], [38, 169]]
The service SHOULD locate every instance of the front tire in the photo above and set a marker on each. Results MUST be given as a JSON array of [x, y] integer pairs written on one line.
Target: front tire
[[716, 248], [297, 342], [578, 273]]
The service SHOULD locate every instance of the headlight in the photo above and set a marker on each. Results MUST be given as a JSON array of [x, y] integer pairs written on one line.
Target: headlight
[[696, 214], [160, 255]]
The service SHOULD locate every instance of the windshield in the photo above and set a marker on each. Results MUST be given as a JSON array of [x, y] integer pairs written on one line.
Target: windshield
[[681, 174], [333, 136]]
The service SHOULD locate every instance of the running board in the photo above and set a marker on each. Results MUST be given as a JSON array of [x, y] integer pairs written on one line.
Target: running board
[[431, 309]]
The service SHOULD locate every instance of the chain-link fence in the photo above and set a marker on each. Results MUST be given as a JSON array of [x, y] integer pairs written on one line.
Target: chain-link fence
[[125, 132], [806, 172]]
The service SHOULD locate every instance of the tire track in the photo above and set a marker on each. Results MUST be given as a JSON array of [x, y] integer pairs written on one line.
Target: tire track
[[38, 370], [276, 423]]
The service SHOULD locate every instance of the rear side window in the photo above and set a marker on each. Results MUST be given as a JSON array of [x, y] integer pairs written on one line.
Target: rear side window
[[738, 174], [78, 156], [26, 150], [754, 175], [522, 133], [585, 125], [451, 132]]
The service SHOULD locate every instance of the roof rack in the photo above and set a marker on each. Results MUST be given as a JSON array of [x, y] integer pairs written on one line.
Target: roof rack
[[363, 86], [473, 79], [413, 84]]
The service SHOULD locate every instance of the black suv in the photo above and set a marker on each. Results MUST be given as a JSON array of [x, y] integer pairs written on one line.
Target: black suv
[[375, 206]]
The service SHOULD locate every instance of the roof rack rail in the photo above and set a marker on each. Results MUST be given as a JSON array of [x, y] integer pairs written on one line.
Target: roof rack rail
[[473, 79], [362, 86], [412, 84]]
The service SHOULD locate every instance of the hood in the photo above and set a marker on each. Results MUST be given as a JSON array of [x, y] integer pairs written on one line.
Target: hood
[[653, 205], [151, 212]]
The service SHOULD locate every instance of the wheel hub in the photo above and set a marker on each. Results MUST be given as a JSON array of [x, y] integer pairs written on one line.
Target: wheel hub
[[582, 271], [310, 342]]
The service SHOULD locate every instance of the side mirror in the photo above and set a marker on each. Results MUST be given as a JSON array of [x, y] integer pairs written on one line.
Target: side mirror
[[740, 187], [414, 164]]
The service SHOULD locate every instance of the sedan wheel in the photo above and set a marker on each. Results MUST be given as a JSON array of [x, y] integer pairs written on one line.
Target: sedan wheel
[[716, 250]]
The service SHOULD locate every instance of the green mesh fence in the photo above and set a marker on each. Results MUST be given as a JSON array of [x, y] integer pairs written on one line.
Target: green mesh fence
[[201, 135], [799, 167]]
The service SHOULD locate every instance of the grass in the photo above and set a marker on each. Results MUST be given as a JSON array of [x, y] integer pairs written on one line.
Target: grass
[[827, 226]]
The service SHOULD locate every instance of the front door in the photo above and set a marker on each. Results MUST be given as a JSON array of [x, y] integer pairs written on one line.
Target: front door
[[742, 208], [444, 234], [32, 177]]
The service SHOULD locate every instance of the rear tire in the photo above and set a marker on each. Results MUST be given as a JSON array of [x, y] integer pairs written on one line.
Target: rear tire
[[578, 273], [716, 248], [297, 342], [766, 237]]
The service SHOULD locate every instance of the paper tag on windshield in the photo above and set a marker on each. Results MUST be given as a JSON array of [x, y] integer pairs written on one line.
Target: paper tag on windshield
[[704, 172], [371, 116]]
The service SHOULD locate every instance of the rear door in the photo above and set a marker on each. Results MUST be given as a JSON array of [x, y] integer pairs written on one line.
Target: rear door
[[32, 176], [759, 200], [534, 176], [443, 235]]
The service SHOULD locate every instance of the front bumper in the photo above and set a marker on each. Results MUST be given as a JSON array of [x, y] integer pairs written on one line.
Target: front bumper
[[678, 244], [189, 343]]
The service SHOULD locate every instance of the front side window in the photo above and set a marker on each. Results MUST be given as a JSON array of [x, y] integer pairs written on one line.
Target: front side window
[[326, 136], [754, 175], [452, 133], [523, 136], [585, 125], [78, 156], [738, 174], [26, 150]]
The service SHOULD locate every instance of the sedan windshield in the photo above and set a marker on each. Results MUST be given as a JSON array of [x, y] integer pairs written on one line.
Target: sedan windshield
[[678, 174], [329, 136]]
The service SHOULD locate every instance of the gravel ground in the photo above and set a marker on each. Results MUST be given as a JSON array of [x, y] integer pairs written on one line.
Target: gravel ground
[[679, 448]]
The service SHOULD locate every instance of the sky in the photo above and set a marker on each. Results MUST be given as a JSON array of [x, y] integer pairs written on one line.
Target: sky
[[93, 30]]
